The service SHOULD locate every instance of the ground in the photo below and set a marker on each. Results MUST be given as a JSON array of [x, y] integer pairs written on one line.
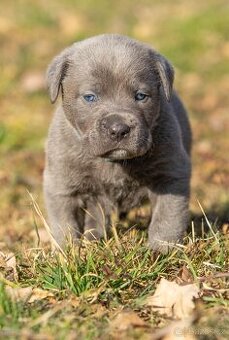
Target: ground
[[85, 290]]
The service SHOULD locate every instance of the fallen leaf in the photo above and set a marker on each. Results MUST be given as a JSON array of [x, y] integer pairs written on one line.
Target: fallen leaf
[[19, 294], [39, 294], [11, 262], [173, 300], [125, 320], [8, 265], [185, 275], [27, 294]]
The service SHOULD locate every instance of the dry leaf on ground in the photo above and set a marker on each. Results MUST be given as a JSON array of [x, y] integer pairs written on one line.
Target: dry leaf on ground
[[40, 294], [125, 320], [185, 276], [27, 294], [19, 294], [8, 265], [173, 300]]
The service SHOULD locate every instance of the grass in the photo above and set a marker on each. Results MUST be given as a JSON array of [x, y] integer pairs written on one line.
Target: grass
[[90, 285]]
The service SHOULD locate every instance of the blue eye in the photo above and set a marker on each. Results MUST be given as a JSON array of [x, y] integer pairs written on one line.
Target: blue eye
[[90, 98], [140, 96]]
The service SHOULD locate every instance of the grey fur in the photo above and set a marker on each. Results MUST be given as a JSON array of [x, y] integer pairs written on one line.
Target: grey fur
[[116, 151]]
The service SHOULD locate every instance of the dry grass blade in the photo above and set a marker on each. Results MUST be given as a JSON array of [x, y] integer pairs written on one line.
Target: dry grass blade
[[208, 222], [39, 213], [7, 282], [104, 222]]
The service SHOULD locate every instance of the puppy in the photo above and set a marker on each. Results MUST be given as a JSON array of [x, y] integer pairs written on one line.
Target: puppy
[[120, 135]]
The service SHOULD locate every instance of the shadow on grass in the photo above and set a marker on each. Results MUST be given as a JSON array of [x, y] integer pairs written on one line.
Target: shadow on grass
[[216, 215]]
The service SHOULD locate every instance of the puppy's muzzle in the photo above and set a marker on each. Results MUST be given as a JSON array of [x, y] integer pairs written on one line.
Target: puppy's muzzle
[[115, 128]]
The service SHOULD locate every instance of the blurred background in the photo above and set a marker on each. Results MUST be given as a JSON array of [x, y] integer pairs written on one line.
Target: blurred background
[[191, 34]]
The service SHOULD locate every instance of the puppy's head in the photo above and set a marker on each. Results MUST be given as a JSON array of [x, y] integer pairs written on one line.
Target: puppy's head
[[111, 92]]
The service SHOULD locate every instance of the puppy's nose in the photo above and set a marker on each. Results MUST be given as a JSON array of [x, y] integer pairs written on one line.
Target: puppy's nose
[[115, 127], [118, 131]]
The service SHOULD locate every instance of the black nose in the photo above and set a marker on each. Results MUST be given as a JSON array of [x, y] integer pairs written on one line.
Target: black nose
[[118, 131], [115, 127]]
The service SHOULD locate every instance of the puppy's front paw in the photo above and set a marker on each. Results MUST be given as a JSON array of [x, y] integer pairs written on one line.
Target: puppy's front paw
[[161, 243]]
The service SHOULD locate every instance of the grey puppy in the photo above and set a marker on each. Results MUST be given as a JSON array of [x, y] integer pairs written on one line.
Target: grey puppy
[[121, 134]]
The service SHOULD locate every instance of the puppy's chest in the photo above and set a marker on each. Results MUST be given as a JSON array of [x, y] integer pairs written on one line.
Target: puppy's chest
[[116, 184]]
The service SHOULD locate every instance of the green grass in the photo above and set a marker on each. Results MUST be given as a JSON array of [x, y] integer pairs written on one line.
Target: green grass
[[103, 277]]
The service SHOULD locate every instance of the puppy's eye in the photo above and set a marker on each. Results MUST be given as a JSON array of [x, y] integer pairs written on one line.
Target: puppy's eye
[[140, 96], [90, 98]]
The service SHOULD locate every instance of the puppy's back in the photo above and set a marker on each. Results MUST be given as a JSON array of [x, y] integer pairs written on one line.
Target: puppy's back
[[183, 120]]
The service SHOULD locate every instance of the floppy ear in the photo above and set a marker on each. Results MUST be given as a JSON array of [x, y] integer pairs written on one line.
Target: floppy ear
[[56, 73], [166, 74]]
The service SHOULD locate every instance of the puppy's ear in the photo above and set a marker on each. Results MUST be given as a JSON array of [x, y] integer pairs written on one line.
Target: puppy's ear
[[56, 73], [166, 74]]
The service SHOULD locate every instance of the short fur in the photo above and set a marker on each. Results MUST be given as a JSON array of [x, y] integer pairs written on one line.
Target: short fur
[[114, 152]]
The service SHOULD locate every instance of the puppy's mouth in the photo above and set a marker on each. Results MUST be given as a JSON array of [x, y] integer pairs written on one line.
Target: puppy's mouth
[[117, 154]]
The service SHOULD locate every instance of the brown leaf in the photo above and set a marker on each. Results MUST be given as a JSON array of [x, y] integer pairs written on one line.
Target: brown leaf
[[125, 320], [185, 275], [27, 294], [11, 262], [173, 300], [40, 294], [9, 266], [19, 294]]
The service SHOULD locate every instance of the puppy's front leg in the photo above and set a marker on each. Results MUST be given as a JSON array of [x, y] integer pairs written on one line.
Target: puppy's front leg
[[66, 216], [97, 217], [170, 215]]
